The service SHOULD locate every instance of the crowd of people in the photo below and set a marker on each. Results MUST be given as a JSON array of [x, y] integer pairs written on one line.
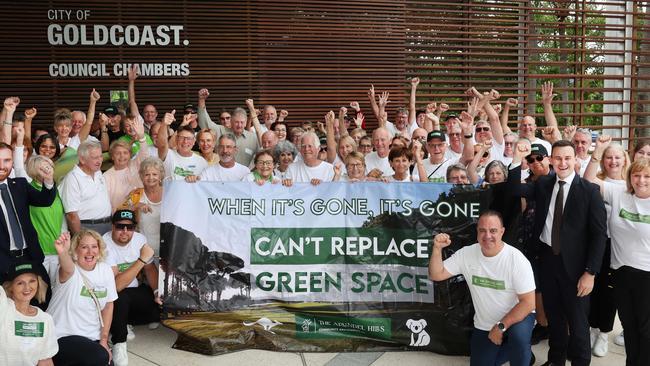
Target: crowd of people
[[80, 223]]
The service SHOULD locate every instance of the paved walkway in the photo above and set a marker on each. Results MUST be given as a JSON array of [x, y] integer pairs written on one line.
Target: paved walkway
[[154, 348]]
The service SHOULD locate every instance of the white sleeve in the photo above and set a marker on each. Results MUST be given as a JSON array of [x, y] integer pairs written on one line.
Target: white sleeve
[[51, 346], [453, 264], [523, 279], [70, 196]]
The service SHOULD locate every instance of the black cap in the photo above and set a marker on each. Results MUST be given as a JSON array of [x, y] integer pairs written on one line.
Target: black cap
[[110, 111], [436, 134], [21, 267], [538, 149], [120, 215], [450, 116], [189, 106]]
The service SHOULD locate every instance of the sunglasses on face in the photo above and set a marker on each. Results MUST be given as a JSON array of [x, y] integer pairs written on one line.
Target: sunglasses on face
[[323, 148], [532, 159], [482, 129], [129, 227]]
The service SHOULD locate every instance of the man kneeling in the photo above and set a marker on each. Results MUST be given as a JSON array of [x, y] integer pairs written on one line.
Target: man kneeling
[[137, 303], [501, 283]]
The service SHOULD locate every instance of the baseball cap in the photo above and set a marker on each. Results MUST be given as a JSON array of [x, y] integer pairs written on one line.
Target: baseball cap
[[21, 267], [189, 106], [110, 111], [120, 215], [538, 149], [436, 134], [450, 116]]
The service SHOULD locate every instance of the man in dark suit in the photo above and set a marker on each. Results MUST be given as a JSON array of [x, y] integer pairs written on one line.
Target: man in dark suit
[[570, 221], [18, 238]]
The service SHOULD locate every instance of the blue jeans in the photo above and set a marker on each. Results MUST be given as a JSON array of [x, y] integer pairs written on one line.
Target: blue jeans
[[515, 347]]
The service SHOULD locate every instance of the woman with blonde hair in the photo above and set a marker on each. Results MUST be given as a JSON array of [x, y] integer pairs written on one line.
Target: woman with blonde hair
[[82, 301], [629, 229], [26, 332], [614, 162]]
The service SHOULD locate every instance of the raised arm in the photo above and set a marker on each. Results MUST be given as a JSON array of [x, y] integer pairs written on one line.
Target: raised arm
[[90, 117], [343, 131], [133, 74], [547, 103], [103, 123], [412, 113], [331, 139], [467, 125], [472, 167], [493, 117], [256, 122], [8, 111], [204, 118], [419, 164], [383, 101], [66, 265], [505, 114], [163, 143], [373, 101], [437, 271], [29, 117], [591, 172], [431, 119]]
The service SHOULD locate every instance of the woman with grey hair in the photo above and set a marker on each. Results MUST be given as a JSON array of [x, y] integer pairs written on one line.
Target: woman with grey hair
[[284, 154], [146, 201]]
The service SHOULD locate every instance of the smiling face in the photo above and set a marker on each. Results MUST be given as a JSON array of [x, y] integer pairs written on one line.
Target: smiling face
[[264, 165], [149, 114], [564, 161], [87, 253], [614, 163], [93, 162], [483, 131], [286, 158], [400, 165], [206, 142], [238, 122], [227, 150], [6, 163], [120, 156], [309, 149], [63, 128], [582, 142], [495, 175], [24, 287], [355, 168], [184, 142], [381, 142], [401, 118], [224, 118], [640, 182], [643, 152], [436, 148], [489, 233], [122, 232], [280, 131], [527, 128], [47, 148], [78, 119], [151, 177]]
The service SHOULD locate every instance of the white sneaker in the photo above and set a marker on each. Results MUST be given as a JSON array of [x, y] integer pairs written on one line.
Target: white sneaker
[[120, 354], [600, 348], [153, 325], [619, 340], [593, 333], [130, 335]]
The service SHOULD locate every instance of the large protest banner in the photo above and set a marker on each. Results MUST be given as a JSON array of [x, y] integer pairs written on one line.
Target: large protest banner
[[338, 267]]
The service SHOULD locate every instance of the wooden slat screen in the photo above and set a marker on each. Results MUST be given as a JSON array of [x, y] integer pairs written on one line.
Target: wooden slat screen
[[312, 56]]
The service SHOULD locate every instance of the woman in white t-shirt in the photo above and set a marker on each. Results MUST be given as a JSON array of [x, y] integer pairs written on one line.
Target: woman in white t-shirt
[[629, 228], [400, 161], [27, 334], [284, 154], [614, 163], [82, 300]]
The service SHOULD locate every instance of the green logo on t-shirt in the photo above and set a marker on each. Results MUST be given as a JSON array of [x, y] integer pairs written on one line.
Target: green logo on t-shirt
[[123, 266], [488, 282], [634, 217], [99, 292], [28, 329], [437, 179], [182, 172]]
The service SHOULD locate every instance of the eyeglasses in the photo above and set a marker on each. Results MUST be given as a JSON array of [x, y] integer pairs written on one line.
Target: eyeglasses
[[355, 165], [185, 138], [532, 159], [439, 146], [265, 162], [509, 143], [482, 129], [129, 227], [456, 134], [364, 146]]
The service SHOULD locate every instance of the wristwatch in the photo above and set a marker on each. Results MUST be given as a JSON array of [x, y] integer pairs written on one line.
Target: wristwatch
[[501, 327], [468, 136]]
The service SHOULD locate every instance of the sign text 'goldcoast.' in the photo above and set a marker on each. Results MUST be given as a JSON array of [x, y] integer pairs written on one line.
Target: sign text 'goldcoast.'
[[116, 35]]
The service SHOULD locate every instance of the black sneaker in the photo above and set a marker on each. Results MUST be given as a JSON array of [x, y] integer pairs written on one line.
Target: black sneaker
[[539, 334]]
